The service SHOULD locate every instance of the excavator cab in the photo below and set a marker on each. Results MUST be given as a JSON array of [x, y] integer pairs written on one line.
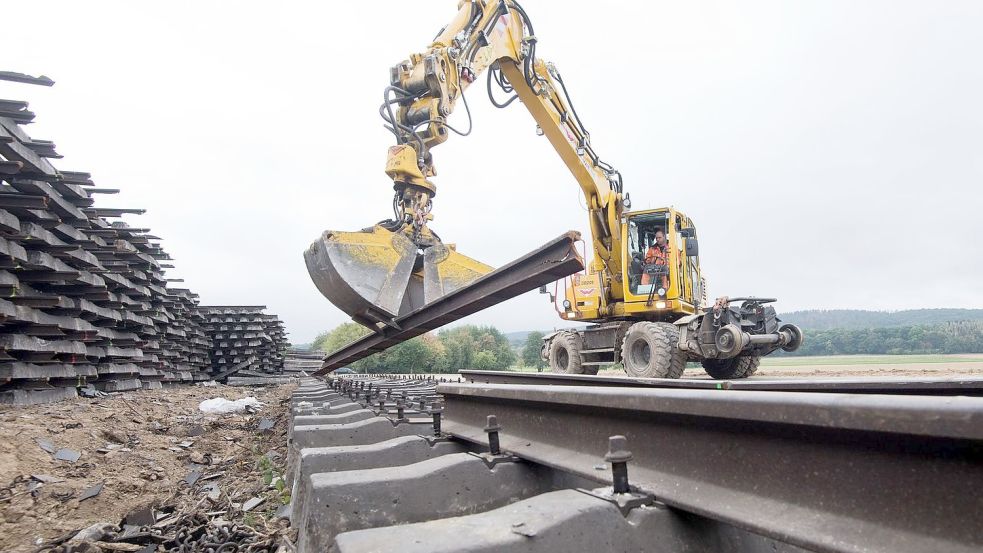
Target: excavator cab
[[646, 277], [666, 285]]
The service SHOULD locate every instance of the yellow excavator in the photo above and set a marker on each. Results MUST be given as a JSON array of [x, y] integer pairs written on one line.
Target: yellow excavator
[[642, 293]]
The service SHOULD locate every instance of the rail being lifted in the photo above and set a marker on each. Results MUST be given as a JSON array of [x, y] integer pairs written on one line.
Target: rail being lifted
[[956, 386], [554, 260], [826, 472]]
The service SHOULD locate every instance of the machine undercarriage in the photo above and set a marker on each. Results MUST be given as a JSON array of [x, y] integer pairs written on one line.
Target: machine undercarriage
[[727, 340]]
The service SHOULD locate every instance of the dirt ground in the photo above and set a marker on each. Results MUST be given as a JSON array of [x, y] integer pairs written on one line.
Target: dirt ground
[[142, 446], [926, 370]]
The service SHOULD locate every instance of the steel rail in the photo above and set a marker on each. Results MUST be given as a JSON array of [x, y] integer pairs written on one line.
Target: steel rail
[[968, 386], [556, 259], [827, 472]]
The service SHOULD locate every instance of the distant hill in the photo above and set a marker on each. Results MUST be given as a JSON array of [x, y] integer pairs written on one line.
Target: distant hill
[[817, 319], [517, 339]]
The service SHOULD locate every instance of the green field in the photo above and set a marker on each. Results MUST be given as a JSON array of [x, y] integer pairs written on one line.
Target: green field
[[859, 360], [941, 365]]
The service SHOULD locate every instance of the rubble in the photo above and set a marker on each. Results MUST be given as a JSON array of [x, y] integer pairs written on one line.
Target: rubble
[[45, 502]]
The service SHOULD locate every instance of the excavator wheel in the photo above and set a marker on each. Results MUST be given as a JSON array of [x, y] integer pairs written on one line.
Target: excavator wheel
[[565, 353], [650, 350], [735, 367]]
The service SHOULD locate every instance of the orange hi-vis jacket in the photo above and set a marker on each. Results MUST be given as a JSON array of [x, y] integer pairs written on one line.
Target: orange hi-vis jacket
[[656, 256]]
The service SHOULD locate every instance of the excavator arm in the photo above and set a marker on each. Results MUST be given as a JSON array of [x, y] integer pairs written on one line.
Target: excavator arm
[[495, 36], [400, 265]]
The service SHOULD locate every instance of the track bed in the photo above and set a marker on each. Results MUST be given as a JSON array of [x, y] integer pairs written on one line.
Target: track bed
[[874, 469]]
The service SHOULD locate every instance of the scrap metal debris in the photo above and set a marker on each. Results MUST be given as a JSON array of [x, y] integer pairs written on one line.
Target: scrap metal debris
[[252, 503], [91, 491], [46, 445], [191, 530], [65, 454]]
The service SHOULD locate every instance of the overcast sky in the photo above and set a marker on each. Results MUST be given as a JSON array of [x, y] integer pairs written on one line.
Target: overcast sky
[[830, 152]]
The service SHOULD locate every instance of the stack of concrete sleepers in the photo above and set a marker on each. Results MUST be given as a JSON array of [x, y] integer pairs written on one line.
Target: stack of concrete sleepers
[[245, 341], [185, 344], [299, 361], [84, 299]]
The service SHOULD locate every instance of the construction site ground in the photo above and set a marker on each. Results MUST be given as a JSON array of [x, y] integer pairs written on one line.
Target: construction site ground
[[145, 447], [151, 448]]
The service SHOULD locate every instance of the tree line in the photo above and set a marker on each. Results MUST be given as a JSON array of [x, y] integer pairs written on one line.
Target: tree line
[[952, 337], [487, 348], [447, 351]]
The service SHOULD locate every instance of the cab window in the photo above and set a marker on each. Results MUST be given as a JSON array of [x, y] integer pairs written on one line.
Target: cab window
[[647, 271]]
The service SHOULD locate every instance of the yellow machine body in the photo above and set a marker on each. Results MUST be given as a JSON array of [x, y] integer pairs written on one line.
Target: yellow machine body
[[399, 265]]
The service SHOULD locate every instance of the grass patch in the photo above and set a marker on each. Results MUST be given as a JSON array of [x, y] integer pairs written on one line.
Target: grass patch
[[805, 361]]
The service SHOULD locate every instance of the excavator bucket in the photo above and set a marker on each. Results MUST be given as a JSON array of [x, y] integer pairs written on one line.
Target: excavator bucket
[[556, 259], [377, 275]]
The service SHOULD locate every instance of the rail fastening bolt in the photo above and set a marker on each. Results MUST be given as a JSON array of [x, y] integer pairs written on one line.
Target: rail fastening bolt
[[435, 412], [399, 409], [618, 455], [491, 428]]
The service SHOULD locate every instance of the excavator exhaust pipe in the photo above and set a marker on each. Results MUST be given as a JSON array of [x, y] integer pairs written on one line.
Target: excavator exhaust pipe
[[377, 275]]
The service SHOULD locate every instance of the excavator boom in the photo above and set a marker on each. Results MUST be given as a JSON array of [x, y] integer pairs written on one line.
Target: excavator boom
[[397, 266]]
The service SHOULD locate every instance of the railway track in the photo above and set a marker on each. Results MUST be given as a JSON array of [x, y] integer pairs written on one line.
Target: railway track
[[387, 463], [958, 386]]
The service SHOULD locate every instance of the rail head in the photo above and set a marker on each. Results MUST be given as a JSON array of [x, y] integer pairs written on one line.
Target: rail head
[[828, 472], [966, 385]]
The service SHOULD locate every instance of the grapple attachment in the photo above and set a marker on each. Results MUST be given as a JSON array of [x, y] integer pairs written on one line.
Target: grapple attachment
[[376, 275]]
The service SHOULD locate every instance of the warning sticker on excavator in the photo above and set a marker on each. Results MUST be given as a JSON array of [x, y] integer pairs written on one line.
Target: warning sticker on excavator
[[585, 291]]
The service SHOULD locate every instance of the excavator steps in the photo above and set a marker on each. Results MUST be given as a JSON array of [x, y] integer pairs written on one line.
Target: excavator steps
[[597, 350]]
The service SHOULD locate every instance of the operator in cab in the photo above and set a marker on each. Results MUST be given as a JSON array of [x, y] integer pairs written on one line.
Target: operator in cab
[[657, 254]]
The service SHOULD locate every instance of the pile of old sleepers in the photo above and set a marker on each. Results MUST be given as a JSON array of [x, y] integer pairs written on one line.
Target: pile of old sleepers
[[299, 361], [84, 298], [245, 341]]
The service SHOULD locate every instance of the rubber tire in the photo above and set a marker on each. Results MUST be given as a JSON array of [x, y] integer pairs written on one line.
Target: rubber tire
[[735, 367], [565, 354], [664, 358]]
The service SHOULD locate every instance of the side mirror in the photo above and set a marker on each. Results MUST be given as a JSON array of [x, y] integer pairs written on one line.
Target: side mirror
[[692, 247], [688, 232]]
